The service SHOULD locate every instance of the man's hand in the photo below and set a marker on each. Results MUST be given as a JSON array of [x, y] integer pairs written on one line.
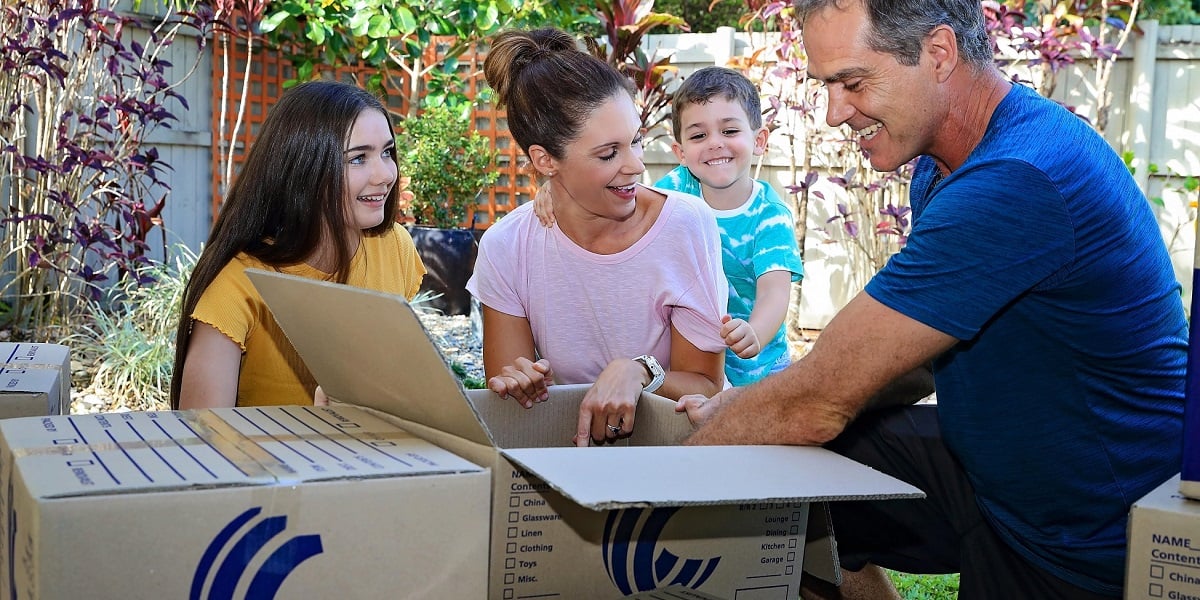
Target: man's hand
[[700, 409]]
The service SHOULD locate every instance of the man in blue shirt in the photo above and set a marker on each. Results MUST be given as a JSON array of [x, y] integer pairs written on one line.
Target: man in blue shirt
[[1037, 286]]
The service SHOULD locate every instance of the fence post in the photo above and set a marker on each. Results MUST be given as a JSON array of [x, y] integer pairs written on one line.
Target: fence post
[[1139, 105], [723, 45]]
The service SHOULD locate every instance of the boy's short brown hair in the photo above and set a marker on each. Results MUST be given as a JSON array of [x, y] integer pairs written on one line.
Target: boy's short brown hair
[[703, 85]]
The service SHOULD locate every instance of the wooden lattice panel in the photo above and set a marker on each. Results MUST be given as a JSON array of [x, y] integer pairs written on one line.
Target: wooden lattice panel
[[270, 69]]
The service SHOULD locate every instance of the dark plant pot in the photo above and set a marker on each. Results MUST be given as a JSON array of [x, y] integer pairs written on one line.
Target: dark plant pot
[[449, 257]]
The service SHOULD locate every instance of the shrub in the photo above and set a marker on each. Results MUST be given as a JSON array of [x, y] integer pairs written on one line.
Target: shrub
[[447, 163], [80, 189]]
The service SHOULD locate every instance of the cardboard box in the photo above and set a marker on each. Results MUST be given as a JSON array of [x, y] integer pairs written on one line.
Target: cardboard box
[[1164, 546], [287, 502], [598, 523], [35, 380], [675, 592], [1190, 477]]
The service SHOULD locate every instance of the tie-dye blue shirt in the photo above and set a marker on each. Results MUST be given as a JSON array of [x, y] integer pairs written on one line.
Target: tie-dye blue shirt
[[757, 237]]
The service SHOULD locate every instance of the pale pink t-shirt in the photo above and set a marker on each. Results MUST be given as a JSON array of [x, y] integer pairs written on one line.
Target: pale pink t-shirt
[[587, 309]]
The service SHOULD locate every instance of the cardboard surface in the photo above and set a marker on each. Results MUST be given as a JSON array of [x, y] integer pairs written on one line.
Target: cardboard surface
[[369, 349], [508, 423], [1164, 546], [35, 379], [675, 592], [1190, 475], [288, 502], [730, 522], [699, 475]]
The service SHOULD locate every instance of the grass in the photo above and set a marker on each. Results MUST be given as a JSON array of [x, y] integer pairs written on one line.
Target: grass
[[925, 587], [132, 334]]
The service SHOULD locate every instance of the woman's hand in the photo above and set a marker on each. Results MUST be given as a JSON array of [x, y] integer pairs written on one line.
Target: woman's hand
[[524, 381], [700, 409], [607, 410]]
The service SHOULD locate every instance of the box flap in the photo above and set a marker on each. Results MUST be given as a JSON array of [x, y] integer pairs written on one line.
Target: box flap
[[392, 365], [620, 477], [553, 422], [820, 545], [117, 453]]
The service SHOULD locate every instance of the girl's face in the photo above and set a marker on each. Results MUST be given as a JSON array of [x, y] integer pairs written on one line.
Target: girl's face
[[600, 169], [370, 170]]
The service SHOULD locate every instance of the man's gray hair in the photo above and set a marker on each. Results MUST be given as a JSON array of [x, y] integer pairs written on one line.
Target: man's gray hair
[[899, 27]]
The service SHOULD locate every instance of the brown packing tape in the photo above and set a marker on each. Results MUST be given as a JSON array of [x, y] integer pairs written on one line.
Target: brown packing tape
[[16, 367], [244, 451]]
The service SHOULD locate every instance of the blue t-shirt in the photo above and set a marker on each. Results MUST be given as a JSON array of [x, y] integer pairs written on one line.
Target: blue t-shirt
[[1064, 398], [757, 237]]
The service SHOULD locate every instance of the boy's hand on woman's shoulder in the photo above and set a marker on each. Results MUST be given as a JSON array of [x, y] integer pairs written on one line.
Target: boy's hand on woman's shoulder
[[543, 205]]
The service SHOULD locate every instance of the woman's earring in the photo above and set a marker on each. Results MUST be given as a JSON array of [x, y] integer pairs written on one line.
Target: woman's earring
[[551, 174]]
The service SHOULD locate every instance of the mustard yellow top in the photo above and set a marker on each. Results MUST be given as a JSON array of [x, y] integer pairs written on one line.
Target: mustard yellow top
[[271, 371]]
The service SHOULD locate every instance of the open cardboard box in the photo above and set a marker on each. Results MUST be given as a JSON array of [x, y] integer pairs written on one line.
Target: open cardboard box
[[598, 523]]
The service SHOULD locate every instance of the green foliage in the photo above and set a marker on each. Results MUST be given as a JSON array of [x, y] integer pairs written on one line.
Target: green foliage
[[395, 37], [132, 335], [421, 303], [470, 383], [1185, 185], [705, 16], [448, 164], [1172, 12], [625, 23], [925, 587]]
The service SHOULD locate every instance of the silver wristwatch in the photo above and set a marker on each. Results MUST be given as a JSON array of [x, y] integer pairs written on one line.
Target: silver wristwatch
[[657, 374]]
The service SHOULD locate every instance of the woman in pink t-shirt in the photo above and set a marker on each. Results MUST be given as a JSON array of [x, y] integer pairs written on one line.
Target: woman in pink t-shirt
[[626, 291]]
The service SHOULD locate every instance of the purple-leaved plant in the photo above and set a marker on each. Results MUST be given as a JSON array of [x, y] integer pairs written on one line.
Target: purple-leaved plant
[[81, 87]]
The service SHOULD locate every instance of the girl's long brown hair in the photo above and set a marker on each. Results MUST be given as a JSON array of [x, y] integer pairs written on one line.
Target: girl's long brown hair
[[289, 195]]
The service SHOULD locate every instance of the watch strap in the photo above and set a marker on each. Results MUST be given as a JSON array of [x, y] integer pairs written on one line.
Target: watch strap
[[657, 374]]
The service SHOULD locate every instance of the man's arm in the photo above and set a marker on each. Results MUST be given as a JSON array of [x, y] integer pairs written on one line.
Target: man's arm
[[863, 349], [906, 389]]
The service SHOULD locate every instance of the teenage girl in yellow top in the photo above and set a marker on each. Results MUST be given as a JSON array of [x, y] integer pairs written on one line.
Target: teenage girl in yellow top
[[316, 198]]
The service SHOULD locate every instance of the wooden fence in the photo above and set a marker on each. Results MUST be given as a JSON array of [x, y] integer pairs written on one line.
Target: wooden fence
[[1155, 116]]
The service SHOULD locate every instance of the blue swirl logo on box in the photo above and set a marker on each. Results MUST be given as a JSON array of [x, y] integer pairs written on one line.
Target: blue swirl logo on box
[[269, 577], [636, 563]]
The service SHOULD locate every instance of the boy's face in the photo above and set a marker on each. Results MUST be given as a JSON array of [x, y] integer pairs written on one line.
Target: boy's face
[[718, 144]]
